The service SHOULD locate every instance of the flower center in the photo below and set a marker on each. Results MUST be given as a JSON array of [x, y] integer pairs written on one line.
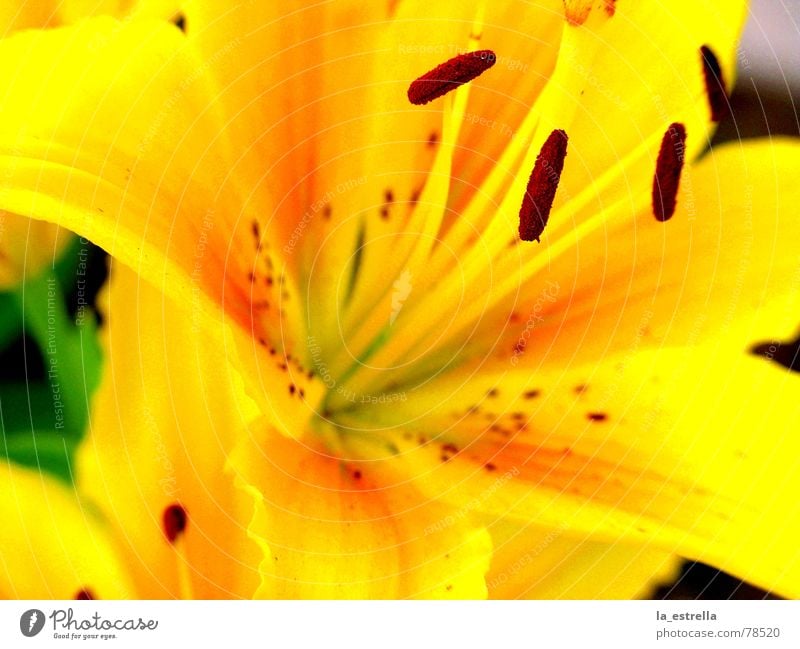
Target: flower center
[[426, 288]]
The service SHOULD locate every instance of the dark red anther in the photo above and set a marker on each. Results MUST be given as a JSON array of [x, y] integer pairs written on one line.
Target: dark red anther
[[542, 186], [174, 520], [450, 75], [84, 593], [668, 171], [715, 84]]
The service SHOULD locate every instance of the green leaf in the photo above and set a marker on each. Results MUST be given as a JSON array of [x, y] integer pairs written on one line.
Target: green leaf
[[29, 407], [44, 450], [42, 422], [71, 352], [10, 318]]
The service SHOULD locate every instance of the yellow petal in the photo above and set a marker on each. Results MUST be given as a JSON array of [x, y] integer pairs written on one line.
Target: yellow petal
[[724, 264], [689, 450], [52, 546], [120, 161], [333, 529], [533, 562], [27, 247], [342, 69], [163, 420]]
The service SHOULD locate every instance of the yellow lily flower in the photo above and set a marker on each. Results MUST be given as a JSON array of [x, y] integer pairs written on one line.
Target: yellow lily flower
[[346, 374]]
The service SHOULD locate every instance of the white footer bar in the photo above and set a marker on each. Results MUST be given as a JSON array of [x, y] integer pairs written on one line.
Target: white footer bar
[[386, 625]]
